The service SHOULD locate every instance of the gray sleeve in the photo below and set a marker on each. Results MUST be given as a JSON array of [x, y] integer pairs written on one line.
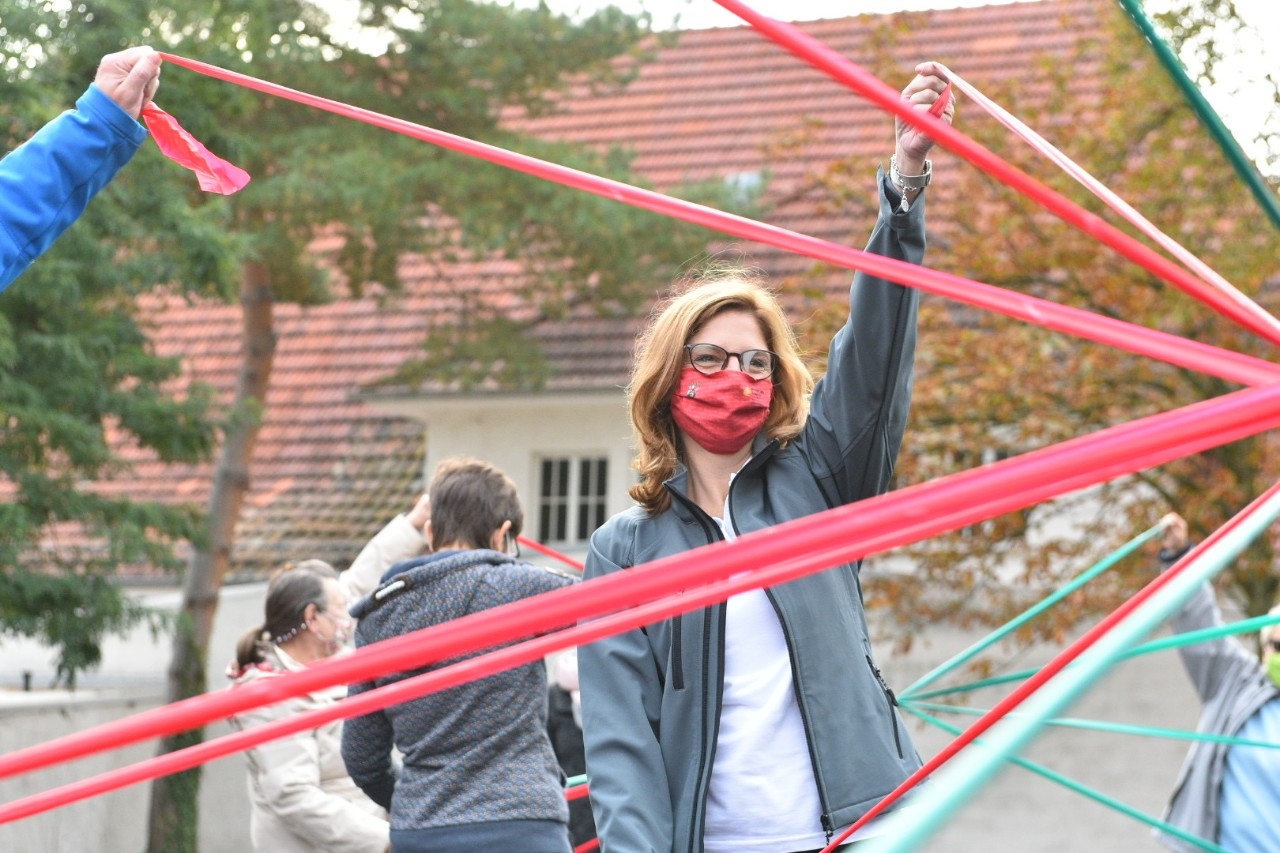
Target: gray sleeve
[[621, 699], [859, 409], [366, 751], [1214, 664]]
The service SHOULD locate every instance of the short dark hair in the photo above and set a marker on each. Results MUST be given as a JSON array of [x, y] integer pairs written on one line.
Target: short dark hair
[[469, 500]]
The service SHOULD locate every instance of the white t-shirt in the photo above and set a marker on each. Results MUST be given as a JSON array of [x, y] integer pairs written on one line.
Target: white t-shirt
[[762, 797]]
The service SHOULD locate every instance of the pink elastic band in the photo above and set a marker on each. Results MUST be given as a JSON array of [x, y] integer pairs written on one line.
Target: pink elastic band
[[657, 590], [1116, 333], [1237, 307], [1112, 200], [214, 174]]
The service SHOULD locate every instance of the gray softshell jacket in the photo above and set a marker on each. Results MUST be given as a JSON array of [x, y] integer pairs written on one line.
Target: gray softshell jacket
[[651, 697], [1232, 686]]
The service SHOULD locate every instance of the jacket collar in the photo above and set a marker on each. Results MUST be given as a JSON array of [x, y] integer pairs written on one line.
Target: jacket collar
[[762, 450], [422, 570]]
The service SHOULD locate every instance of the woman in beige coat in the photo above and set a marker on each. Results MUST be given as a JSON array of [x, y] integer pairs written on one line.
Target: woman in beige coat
[[302, 799]]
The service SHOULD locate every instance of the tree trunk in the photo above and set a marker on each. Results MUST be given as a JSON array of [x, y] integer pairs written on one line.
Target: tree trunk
[[174, 820]]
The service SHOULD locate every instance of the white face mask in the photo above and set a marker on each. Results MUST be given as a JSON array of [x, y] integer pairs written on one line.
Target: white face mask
[[336, 641]]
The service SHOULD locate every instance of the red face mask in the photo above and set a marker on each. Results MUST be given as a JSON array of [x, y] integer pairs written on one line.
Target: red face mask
[[721, 411]]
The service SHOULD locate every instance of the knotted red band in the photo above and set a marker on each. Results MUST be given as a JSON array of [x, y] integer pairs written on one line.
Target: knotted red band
[[215, 174]]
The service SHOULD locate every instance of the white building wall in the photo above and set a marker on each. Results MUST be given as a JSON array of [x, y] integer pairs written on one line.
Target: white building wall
[[516, 431]]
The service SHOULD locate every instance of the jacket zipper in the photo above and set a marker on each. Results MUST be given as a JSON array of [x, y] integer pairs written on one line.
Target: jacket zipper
[[677, 654], [892, 700], [712, 533], [698, 824], [677, 644], [828, 827], [825, 817]]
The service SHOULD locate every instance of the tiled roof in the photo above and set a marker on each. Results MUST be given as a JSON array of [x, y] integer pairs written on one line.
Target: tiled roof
[[329, 469], [725, 102]]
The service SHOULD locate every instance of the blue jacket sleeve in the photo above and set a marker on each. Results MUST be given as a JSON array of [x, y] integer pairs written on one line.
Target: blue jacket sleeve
[[858, 412], [46, 182]]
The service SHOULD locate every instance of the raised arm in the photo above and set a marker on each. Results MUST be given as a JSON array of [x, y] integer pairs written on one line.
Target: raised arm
[[46, 183], [859, 408], [401, 539], [1213, 664]]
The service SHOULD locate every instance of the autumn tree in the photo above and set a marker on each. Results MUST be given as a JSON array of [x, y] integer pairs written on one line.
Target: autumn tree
[[990, 387], [77, 374]]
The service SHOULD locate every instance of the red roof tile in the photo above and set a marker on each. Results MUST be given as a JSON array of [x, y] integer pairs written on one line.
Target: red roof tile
[[329, 469]]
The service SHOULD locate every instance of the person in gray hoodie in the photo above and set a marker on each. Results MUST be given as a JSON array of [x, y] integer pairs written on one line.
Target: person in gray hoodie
[[763, 723], [478, 769], [1226, 793]]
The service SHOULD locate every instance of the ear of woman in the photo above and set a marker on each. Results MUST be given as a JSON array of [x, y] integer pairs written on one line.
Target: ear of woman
[[498, 541]]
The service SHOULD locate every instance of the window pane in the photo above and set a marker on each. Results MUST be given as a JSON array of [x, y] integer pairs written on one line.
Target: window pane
[[572, 498], [553, 490], [562, 497], [592, 486], [545, 479]]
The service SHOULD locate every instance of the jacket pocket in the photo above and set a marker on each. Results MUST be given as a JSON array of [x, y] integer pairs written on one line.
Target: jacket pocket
[[891, 701]]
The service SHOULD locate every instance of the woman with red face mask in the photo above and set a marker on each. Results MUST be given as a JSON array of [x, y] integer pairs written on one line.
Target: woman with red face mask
[[760, 725]]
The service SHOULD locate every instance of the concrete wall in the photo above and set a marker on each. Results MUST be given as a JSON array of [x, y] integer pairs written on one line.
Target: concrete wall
[[1017, 812], [114, 822], [130, 680]]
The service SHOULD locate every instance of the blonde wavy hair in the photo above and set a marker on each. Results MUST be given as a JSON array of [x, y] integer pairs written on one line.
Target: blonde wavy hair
[[660, 356]]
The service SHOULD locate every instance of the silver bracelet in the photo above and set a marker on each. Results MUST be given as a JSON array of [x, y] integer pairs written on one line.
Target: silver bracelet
[[909, 182]]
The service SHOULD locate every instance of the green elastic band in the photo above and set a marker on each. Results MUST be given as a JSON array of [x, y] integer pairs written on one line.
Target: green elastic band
[[1017, 622], [956, 782], [1103, 726], [1247, 171], [1086, 791], [1244, 626]]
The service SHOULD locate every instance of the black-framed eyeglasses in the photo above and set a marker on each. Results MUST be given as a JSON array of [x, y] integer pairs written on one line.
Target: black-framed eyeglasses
[[513, 546], [709, 358]]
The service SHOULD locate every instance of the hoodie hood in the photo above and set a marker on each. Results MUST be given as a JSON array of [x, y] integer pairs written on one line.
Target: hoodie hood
[[423, 572]]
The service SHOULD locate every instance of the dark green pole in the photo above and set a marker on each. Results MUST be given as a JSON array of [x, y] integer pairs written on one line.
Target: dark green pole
[[1247, 171]]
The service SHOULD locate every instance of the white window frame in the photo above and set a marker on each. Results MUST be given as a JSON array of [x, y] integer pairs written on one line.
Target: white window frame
[[572, 497]]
